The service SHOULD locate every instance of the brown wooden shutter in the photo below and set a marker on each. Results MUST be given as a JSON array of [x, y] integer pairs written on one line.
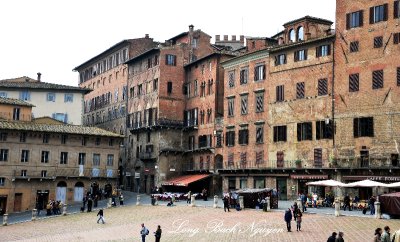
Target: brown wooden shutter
[[371, 15], [256, 73], [329, 49], [305, 54], [317, 53], [355, 127], [385, 12], [299, 132], [348, 21], [263, 67], [396, 9], [361, 18]]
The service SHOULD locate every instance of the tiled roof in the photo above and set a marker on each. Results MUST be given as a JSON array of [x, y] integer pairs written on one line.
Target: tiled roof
[[33, 84], [12, 101], [310, 18], [65, 129]]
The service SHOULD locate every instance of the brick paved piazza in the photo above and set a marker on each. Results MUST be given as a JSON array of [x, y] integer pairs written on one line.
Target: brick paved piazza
[[198, 224]]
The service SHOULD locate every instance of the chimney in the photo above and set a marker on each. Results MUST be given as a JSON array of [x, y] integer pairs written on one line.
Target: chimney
[[146, 36], [233, 37], [217, 38], [38, 76], [242, 39], [191, 28], [225, 37]]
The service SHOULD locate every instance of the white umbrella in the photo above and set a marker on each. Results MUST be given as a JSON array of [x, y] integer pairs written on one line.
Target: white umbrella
[[326, 183], [366, 183], [396, 184]]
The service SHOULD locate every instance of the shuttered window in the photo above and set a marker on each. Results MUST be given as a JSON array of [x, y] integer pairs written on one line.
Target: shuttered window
[[243, 102], [259, 102], [243, 159], [170, 60], [322, 87], [280, 134], [280, 156], [244, 137], [318, 157], [259, 73], [300, 55], [378, 42], [398, 76], [231, 107], [377, 79], [230, 159], [354, 20], [354, 82], [300, 90], [396, 10], [354, 46], [244, 74], [230, 138], [304, 131], [324, 130], [396, 38], [280, 59], [280, 93], [231, 79], [259, 135], [259, 157], [378, 13], [363, 127], [323, 50]]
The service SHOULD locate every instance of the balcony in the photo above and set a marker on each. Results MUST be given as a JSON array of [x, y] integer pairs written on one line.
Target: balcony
[[367, 163], [156, 124], [274, 164], [147, 156]]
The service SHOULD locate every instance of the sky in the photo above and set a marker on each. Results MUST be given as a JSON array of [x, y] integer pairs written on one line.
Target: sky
[[55, 36]]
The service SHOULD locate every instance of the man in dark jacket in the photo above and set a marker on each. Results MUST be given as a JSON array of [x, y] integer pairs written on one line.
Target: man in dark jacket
[[340, 237], [332, 238], [288, 219]]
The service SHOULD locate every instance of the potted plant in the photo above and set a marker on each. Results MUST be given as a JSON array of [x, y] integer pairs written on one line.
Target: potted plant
[[298, 163]]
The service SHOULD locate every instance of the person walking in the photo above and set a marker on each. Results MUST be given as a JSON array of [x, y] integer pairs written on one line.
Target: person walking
[[371, 204], [303, 200], [121, 199], [157, 234], [386, 234], [340, 237], [288, 219], [377, 235], [189, 198], [89, 204], [299, 216], [332, 238], [101, 216], [295, 207], [226, 203], [143, 233]]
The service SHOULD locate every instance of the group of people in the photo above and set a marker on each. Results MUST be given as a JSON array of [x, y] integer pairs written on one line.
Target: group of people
[[335, 237], [384, 235], [293, 213], [52, 208]]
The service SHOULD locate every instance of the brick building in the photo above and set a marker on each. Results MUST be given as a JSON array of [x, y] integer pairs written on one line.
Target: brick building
[[40, 161], [367, 94]]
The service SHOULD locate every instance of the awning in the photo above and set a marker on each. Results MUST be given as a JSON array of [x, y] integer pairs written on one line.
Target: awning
[[184, 181], [309, 177], [372, 178]]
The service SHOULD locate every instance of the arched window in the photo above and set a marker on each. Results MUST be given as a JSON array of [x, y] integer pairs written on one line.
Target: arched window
[[300, 33], [292, 36]]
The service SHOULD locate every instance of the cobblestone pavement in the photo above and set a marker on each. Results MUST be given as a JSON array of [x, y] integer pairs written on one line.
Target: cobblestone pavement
[[184, 223]]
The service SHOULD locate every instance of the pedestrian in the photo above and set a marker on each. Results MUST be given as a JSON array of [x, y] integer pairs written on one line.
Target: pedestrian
[[396, 236], [295, 208], [332, 238], [89, 204], [204, 193], [299, 216], [226, 203], [121, 199], [346, 202], [84, 201], [157, 234], [288, 219], [340, 237], [95, 200], [144, 232], [386, 234], [371, 204], [303, 200], [377, 235], [189, 198], [101, 216]]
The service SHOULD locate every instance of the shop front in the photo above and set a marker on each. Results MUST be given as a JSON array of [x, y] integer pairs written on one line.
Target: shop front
[[364, 193], [302, 180]]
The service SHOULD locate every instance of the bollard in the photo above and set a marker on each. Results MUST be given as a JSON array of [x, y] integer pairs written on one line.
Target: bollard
[[64, 209], [337, 208], [378, 214], [241, 202], [34, 214], [215, 202], [192, 201], [5, 219], [138, 200], [109, 203], [268, 204]]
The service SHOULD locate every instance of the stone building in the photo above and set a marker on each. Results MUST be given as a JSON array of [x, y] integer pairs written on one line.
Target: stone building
[[367, 94], [41, 161], [61, 102], [156, 103]]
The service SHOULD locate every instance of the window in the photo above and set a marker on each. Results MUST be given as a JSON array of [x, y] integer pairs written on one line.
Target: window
[[170, 60], [43, 173], [169, 87], [84, 141], [259, 157], [231, 107], [324, 129], [354, 46], [218, 143], [22, 137], [377, 79], [25, 156], [243, 102], [300, 55], [64, 138], [354, 20], [25, 96], [259, 73], [97, 141], [292, 36], [23, 173], [304, 131], [64, 158], [318, 157], [191, 142], [96, 159], [259, 102], [280, 59], [195, 42], [300, 33], [280, 134], [45, 157], [82, 159], [280, 93], [195, 87], [280, 159], [244, 137], [2, 181], [231, 79], [51, 97], [230, 138], [363, 127], [378, 13], [396, 10], [63, 117], [110, 142], [244, 74], [3, 136], [16, 113], [155, 84], [322, 87], [3, 154], [46, 138], [398, 76], [3, 94], [354, 85], [323, 50], [210, 84], [202, 114], [243, 160], [378, 42], [300, 90], [396, 39], [230, 159], [259, 134], [110, 160]]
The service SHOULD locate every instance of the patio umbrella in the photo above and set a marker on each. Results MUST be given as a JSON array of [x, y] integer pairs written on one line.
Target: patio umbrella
[[366, 183], [396, 184], [326, 183]]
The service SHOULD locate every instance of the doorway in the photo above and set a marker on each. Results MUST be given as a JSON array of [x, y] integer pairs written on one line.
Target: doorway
[[61, 192], [17, 202], [78, 192], [3, 204], [281, 186], [42, 198]]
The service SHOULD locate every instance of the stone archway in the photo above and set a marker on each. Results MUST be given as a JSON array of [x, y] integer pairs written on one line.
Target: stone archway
[[61, 191], [78, 192]]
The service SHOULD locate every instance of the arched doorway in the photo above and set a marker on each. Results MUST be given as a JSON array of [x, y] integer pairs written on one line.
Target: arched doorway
[[78, 192], [61, 191]]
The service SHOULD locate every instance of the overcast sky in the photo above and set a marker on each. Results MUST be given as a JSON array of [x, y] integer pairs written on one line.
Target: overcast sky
[[54, 36]]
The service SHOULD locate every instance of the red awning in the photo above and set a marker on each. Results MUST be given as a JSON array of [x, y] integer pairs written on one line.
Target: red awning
[[309, 177], [184, 181]]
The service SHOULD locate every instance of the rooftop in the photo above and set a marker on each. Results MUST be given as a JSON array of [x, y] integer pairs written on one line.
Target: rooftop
[[29, 83], [12, 101], [310, 18], [300, 43]]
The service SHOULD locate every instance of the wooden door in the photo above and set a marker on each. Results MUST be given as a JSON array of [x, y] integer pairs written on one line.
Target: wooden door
[[17, 202]]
